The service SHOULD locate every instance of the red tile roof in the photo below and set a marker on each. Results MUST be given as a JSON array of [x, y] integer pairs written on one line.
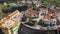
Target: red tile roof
[[31, 11], [0, 22], [52, 12], [43, 8], [46, 17]]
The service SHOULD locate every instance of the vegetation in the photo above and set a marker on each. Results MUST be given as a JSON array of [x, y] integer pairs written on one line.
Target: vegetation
[[53, 2], [25, 16], [22, 4], [2, 16], [36, 8], [50, 32], [3, 7], [32, 21]]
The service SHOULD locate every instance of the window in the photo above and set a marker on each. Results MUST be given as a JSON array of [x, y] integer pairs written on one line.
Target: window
[[17, 17], [43, 12], [46, 22], [32, 15]]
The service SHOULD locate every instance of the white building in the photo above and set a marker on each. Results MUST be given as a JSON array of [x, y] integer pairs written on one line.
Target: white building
[[32, 13], [43, 11], [29, 2], [23, 1], [11, 22], [37, 3]]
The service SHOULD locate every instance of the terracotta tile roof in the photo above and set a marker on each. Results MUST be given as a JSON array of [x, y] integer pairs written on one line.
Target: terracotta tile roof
[[52, 12], [1, 26], [50, 17], [0, 22], [43, 8], [46, 17], [31, 12]]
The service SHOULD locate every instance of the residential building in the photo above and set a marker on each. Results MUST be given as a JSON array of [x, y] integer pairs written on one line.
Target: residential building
[[46, 19], [50, 19], [37, 3], [43, 11], [29, 2], [32, 13], [58, 8], [50, 6], [23, 1], [11, 23], [52, 12]]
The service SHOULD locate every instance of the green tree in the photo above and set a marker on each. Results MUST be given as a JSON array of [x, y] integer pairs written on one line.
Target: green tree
[[53, 2], [50, 32], [25, 16], [32, 21]]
